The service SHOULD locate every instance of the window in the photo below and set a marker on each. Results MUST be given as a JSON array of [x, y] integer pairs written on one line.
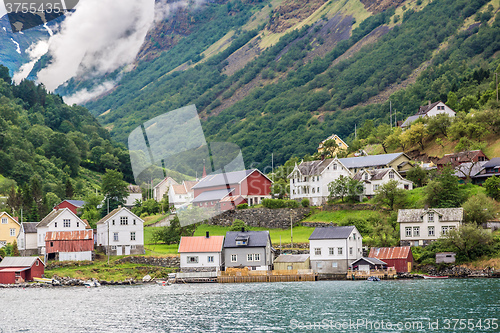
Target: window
[[318, 189], [115, 237], [408, 231], [314, 190], [51, 244], [366, 176], [3, 243], [331, 251], [234, 258], [407, 187], [444, 230], [350, 250], [319, 265], [430, 217], [249, 257], [334, 265], [334, 167], [134, 221], [192, 259], [123, 220], [55, 224], [12, 232], [317, 251], [375, 187], [210, 259], [354, 236], [256, 257], [132, 236], [317, 179], [113, 222], [37, 263], [67, 223], [416, 231], [431, 231], [4, 220], [391, 175], [78, 224], [113, 247], [340, 250], [289, 267]]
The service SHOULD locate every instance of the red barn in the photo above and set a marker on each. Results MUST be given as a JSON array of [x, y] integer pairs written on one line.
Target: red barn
[[20, 269], [400, 257], [251, 185], [72, 205], [70, 245]]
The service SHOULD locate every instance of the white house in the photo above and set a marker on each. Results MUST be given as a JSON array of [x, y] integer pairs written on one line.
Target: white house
[[134, 194], [121, 232], [310, 179], [57, 220], [27, 239], [374, 179], [333, 249], [429, 110], [421, 226], [162, 188], [201, 254], [181, 195]]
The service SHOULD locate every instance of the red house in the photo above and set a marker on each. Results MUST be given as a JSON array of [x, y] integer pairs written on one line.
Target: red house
[[250, 185], [20, 269], [70, 245], [400, 257], [456, 159], [72, 205]]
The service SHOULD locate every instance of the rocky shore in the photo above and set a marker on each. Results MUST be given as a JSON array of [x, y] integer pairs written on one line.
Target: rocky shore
[[452, 272]]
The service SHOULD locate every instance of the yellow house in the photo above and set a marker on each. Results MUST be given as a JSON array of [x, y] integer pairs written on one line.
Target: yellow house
[[340, 143], [9, 229]]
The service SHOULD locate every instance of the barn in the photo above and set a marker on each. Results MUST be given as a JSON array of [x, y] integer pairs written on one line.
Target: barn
[[292, 262], [69, 245], [20, 269], [399, 257]]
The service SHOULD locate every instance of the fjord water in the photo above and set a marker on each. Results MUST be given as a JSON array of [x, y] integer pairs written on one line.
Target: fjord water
[[259, 307]]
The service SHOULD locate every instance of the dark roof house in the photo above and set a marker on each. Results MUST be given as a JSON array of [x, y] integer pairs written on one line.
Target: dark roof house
[[331, 233]]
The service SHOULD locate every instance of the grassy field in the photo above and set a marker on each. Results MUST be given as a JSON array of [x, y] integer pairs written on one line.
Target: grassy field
[[339, 215]]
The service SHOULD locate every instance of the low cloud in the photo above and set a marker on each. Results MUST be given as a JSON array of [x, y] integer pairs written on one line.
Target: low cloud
[[85, 95]]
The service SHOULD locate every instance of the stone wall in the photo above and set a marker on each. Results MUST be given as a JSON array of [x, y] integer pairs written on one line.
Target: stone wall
[[262, 217], [173, 261]]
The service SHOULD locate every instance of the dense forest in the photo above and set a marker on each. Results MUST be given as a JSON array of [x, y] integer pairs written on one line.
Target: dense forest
[[295, 102], [50, 151]]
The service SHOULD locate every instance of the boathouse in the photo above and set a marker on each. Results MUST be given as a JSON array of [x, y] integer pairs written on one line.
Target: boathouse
[[20, 269], [399, 257]]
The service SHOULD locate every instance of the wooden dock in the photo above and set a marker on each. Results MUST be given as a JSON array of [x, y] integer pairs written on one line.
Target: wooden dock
[[246, 276], [383, 274]]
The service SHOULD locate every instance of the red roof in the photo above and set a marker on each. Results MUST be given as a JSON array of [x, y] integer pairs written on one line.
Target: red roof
[[401, 252], [201, 244], [69, 235]]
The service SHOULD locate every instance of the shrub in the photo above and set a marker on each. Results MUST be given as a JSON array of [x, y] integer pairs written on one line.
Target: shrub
[[242, 206], [238, 225], [305, 202]]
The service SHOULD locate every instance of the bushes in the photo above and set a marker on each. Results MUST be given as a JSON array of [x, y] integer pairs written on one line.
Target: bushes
[[305, 203], [242, 206], [279, 203]]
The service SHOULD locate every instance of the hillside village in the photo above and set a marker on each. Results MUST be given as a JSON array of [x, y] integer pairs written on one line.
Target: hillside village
[[240, 255]]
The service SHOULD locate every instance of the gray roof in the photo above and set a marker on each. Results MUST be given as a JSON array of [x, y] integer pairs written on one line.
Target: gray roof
[[426, 108], [375, 174], [215, 195], [331, 232], [410, 120], [445, 214], [219, 179], [492, 163], [462, 170], [369, 161], [18, 261], [291, 258], [49, 218], [77, 203], [314, 167], [29, 227], [255, 238], [373, 261]]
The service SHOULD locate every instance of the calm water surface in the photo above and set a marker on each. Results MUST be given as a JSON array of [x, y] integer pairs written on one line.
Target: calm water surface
[[324, 306]]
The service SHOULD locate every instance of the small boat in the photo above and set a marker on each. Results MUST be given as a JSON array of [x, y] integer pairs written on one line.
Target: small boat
[[373, 278], [435, 277], [164, 283], [92, 283], [47, 281]]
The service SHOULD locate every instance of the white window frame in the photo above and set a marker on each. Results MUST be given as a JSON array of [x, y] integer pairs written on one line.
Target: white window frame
[[192, 259], [431, 231], [317, 251], [249, 257], [340, 250], [115, 237], [430, 217], [210, 258], [351, 251], [234, 257], [5, 220], [335, 265], [132, 235], [391, 174], [256, 257], [408, 231], [12, 232], [331, 251], [67, 223], [123, 220], [416, 231]]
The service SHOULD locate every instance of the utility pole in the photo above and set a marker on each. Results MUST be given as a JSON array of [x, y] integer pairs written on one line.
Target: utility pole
[[390, 111], [109, 243], [496, 83], [355, 132], [291, 231]]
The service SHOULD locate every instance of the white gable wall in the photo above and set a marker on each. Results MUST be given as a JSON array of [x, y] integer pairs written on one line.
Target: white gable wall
[[123, 232], [441, 108], [75, 223]]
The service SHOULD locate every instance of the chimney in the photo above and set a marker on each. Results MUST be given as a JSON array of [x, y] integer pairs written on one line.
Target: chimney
[[208, 234], [429, 103]]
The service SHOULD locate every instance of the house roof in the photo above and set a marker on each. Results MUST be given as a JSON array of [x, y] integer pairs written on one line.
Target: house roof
[[76, 203], [215, 195], [134, 189], [255, 238], [370, 160], [314, 167], [29, 227], [50, 217], [492, 163], [445, 214], [373, 261], [201, 244], [375, 174], [410, 120], [219, 179], [116, 211], [18, 261], [331, 232], [332, 137], [166, 179], [233, 198], [291, 258], [461, 157], [13, 219], [179, 189], [69, 235], [426, 108], [396, 252], [189, 184], [462, 170]]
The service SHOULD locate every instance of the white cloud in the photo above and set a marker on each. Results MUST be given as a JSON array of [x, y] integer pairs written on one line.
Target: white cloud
[[98, 38], [35, 51], [85, 95]]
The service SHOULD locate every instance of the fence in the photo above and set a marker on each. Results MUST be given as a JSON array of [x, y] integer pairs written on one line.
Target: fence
[[246, 276]]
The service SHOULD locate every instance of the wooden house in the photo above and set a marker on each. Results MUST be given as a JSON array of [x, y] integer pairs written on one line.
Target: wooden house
[[401, 258], [20, 269], [292, 262], [9, 229], [251, 249], [69, 245], [72, 205], [201, 254], [26, 240], [368, 264]]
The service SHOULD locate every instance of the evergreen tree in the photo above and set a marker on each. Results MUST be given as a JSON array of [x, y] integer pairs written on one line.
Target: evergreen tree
[[69, 191]]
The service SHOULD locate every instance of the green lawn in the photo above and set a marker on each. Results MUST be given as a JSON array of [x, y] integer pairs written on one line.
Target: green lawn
[[339, 215]]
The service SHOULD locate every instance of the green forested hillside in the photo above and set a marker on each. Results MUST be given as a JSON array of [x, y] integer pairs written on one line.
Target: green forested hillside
[[49, 150]]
